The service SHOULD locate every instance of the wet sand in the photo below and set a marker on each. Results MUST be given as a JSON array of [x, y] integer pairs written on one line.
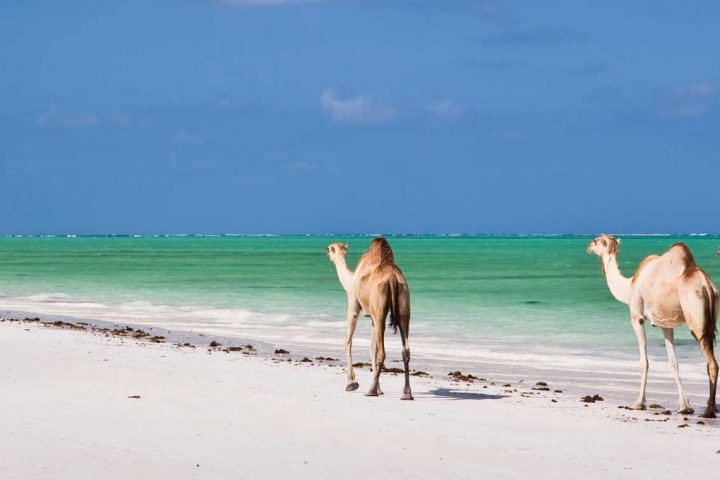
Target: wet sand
[[82, 401]]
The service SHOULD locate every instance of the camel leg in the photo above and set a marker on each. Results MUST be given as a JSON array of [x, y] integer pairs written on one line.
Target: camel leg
[[638, 325], [352, 316], [407, 393], [372, 345], [379, 333], [712, 369], [698, 311], [685, 408], [373, 350]]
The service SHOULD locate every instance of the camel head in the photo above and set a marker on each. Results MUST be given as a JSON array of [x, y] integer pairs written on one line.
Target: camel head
[[604, 244], [336, 251]]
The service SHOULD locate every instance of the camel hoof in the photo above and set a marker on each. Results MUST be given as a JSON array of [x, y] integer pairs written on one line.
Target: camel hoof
[[407, 396], [371, 394], [638, 407], [352, 386], [686, 411], [707, 414]]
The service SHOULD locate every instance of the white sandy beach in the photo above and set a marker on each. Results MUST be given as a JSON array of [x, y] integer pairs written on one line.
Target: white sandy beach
[[66, 413]]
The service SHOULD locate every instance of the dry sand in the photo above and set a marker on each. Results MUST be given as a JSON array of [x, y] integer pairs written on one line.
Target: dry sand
[[66, 412]]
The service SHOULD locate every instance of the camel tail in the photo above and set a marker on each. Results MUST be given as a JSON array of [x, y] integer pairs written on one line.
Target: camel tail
[[394, 305], [707, 340]]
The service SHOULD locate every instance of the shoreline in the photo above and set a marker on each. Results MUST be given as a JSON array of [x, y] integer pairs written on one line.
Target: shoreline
[[69, 409]]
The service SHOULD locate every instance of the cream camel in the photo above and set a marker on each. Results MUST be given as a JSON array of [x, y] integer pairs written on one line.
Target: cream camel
[[668, 290], [377, 287]]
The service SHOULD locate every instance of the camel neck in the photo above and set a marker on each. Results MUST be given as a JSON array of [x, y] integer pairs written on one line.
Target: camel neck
[[344, 274], [618, 284]]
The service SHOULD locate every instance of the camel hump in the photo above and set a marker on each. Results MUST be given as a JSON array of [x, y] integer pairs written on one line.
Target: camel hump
[[380, 252], [681, 256], [682, 253]]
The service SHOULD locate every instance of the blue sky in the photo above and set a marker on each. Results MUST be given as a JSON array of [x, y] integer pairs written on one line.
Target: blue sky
[[292, 116]]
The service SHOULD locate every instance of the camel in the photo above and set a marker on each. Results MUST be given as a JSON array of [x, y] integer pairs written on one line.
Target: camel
[[377, 287], [669, 290]]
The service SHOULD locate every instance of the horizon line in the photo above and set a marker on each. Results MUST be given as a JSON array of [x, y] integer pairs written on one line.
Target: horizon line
[[375, 234]]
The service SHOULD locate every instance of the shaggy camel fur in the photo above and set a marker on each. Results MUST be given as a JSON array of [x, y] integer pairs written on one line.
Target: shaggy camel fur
[[377, 287], [669, 290]]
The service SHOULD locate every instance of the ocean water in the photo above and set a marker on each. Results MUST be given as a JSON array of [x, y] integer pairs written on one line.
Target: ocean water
[[474, 299]]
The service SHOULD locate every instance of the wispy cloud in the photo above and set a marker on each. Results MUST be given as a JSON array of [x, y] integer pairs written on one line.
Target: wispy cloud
[[264, 3], [54, 118], [51, 118], [538, 37], [689, 100], [302, 167], [359, 110], [446, 109]]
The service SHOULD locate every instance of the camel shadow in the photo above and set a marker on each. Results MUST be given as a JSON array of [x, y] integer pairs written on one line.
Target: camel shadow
[[463, 395]]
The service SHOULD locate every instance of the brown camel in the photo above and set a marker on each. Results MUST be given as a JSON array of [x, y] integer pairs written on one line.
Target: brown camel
[[668, 290], [377, 287]]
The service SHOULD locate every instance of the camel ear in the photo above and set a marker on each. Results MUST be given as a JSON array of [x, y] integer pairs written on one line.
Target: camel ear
[[332, 248], [604, 242], [345, 245], [618, 240]]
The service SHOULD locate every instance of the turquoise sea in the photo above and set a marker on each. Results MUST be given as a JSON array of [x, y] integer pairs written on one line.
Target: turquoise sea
[[474, 298]]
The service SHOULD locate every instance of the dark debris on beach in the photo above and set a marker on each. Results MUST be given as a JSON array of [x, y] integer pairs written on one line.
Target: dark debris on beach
[[245, 349], [394, 370], [326, 359], [458, 376], [126, 331]]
